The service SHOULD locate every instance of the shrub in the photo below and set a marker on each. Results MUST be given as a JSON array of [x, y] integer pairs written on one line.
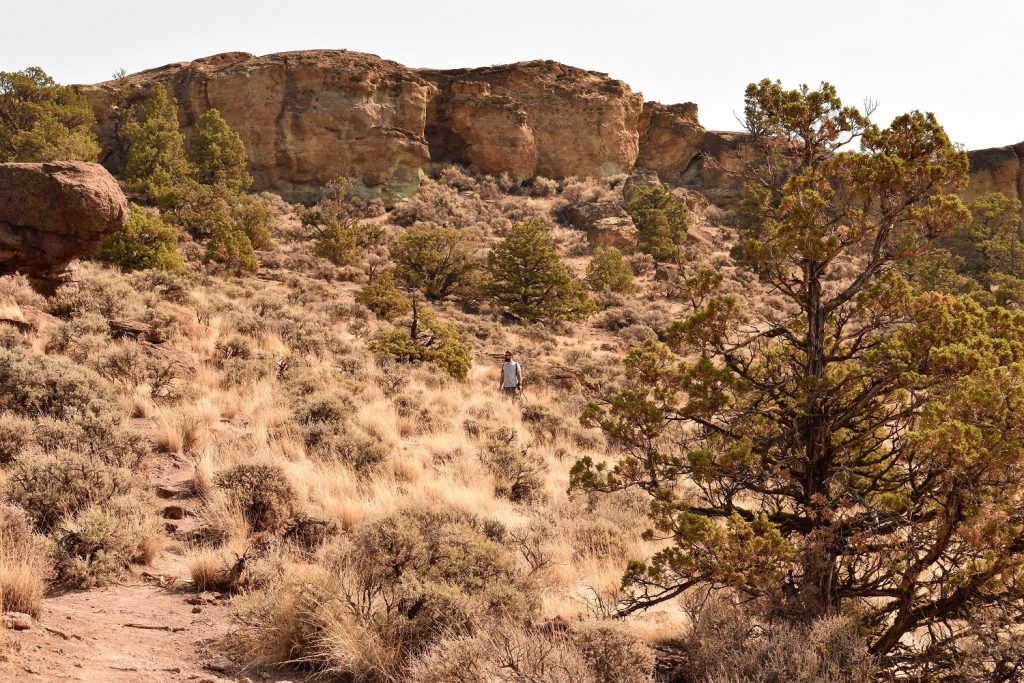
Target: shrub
[[309, 533], [334, 441], [218, 154], [145, 242], [609, 272], [528, 277], [438, 261], [43, 121], [613, 653], [93, 549], [261, 492], [661, 220], [384, 298], [518, 473], [15, 436], [233, 249], [155, 161], [35, 386], [506, 652], [428, 339], [726, 642], [52, 486], [339, 244]]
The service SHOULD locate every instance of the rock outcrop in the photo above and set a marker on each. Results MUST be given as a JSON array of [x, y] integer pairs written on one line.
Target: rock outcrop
[[534, 118], [674, 145], [306, 118], [998, 169], [52, 213], [309, 117]]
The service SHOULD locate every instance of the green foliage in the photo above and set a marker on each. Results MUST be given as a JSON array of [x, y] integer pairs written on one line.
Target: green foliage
[[235, 224], [261, 492], [339, 244], [43, 121], [609, 272], [436, 260], [145, 243], [856, 449], [528, 277], [661, 221], [426, 339], [990, 249], [382, 296], [155, 162], [217, 153]]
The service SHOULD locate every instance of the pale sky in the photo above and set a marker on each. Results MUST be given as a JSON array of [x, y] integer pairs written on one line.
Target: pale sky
[[961, 60]]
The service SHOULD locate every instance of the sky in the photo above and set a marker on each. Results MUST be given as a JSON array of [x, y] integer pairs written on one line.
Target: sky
[[960, 60]]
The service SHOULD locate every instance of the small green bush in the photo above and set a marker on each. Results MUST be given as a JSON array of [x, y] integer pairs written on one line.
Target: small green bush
[[427, 339], [382, 296], [261, 492], [145, 242], [609, 272]]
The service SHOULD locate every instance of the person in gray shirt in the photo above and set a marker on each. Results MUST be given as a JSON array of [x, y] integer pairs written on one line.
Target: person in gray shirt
[[511, 376]]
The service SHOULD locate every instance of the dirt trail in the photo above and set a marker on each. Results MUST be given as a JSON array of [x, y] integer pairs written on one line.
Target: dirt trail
[[151, 627]]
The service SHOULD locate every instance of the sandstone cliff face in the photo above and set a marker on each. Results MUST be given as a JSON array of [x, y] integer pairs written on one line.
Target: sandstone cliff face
[[534, 118], [674, 145], [309, 117], [54, 212], [998, 169], [306, 118]]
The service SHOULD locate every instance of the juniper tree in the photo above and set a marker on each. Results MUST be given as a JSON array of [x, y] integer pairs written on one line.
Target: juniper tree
[[155, 164], [217, 153], [438, 261], [861, 448], [661, 222], [145, 242], [43, 121], [529, 279]]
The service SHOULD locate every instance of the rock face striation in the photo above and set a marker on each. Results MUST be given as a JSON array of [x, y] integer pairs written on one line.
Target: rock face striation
[[310, 117], [52, 213]]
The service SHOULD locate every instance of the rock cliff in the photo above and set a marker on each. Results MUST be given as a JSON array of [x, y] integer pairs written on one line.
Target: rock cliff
[[52, 213], [306, 118], [534, 118], [309, 117]]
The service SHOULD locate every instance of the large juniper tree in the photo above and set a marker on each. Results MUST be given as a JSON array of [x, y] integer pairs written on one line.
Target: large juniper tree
[[860, 449]]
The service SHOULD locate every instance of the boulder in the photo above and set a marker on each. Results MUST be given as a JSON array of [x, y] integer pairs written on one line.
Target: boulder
[[306, 118], [533, 118], [584, 214], [612, 232], [52, 213]]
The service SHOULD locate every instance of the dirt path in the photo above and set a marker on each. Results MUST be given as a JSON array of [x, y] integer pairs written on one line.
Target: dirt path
[[150, 627]]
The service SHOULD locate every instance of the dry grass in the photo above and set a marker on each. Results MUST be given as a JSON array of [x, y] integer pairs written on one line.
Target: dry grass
[[24, 567]]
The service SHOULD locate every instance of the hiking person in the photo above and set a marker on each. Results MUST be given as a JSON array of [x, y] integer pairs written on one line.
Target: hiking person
[[511, 376]]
